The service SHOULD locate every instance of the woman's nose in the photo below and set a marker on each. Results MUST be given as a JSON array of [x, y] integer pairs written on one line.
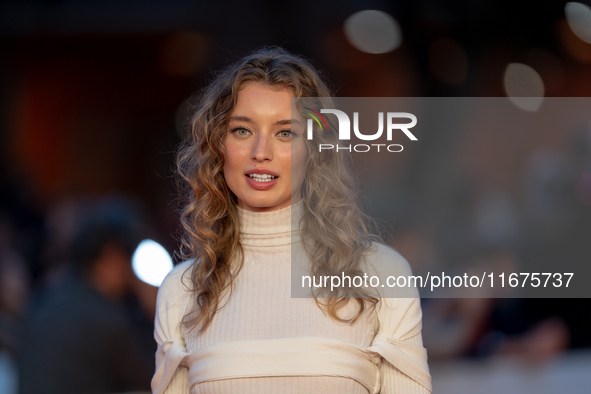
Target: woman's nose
[[262, 149]]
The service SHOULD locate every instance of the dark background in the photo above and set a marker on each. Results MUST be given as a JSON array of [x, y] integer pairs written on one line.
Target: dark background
[[92, 102]]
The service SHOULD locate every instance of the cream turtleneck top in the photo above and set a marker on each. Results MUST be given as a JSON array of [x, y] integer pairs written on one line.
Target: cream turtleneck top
[[265, 341]]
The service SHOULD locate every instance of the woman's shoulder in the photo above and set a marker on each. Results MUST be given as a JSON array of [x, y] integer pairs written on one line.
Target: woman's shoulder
[[177, 282], [390, 267], [386, 259]]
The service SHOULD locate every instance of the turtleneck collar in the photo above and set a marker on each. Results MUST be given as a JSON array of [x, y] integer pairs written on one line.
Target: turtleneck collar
[[271, 228]]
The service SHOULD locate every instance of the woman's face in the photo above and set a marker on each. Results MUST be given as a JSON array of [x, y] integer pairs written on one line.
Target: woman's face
[[262, 145]]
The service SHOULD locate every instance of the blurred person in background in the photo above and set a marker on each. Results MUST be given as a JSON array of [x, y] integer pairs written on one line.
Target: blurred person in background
[[79, 335]]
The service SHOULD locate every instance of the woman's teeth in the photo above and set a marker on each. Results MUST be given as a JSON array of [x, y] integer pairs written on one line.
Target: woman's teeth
[[262, 177]]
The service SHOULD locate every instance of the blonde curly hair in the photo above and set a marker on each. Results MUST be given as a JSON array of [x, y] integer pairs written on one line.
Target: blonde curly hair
[[339, 231]]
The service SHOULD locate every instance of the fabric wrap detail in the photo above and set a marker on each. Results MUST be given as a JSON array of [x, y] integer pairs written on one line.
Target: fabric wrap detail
[[283, 357], [169, 356], [407, 357]]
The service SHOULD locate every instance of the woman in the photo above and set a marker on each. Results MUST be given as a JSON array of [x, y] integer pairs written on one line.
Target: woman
[[225, 318]]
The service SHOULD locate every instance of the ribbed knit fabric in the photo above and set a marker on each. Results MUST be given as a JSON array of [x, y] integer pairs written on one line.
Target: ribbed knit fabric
[[264, 341]]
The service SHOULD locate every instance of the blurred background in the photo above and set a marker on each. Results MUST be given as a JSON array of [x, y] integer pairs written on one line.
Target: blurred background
[[93, 103]]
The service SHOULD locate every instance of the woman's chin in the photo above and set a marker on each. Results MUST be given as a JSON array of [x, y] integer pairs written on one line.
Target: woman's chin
[[263, 205]]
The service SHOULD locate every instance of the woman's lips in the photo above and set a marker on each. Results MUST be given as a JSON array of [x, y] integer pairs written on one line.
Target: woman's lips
[[261, 185]]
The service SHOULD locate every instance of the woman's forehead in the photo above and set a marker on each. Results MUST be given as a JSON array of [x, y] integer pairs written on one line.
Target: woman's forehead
[[259, 99]]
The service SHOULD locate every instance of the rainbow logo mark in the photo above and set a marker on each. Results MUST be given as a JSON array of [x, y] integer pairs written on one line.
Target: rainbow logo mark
[[316, 118]]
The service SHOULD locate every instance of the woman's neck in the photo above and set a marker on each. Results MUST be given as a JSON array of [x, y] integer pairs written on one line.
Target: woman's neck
[[271, 227]]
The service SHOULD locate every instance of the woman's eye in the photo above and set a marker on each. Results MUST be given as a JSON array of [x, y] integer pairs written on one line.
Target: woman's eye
[[240, 131], [285, 133]]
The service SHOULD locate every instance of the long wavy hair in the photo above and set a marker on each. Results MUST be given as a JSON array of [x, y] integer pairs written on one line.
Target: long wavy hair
[[337, 231]]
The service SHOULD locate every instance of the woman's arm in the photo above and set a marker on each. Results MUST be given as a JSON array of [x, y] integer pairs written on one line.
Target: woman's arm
[[171, 376], [404, 367]]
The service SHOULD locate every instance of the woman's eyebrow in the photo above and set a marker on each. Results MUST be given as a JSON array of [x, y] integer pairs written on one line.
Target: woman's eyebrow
[[242, 118], [288, 121]]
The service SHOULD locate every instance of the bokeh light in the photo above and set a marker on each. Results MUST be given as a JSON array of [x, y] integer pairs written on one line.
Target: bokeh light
[[151, 262], [373, 31], [524, 86], [578, 17]]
